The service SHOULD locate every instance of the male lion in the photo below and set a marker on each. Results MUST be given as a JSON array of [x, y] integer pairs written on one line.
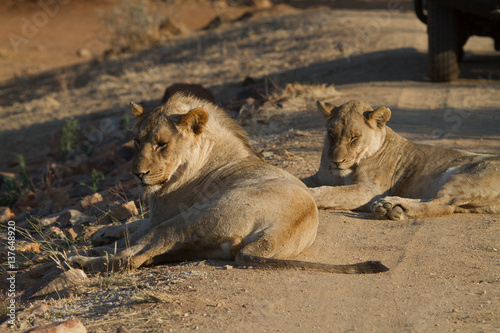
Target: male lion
[[367, 166], [211, 196]]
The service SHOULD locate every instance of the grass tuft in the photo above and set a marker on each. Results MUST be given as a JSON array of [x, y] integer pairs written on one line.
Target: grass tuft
[[97, 180], [68, 138]]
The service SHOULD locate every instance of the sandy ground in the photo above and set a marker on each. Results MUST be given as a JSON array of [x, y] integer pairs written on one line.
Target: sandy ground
[[444, 272]]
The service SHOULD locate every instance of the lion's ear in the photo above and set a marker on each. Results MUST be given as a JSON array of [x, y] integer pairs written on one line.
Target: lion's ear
[[195, 120], [379, 116], [136, 110], [325, 108]]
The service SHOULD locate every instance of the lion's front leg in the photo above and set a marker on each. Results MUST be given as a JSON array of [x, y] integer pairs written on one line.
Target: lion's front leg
[[132, 257], [168, 237], [348, 197]]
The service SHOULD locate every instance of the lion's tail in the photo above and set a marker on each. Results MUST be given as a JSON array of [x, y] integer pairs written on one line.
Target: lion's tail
[[367, 267]]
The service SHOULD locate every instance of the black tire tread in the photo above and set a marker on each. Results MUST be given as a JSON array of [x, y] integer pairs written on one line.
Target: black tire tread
[[444, 45]]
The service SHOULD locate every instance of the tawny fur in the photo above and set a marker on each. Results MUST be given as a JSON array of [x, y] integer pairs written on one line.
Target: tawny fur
[[211, 196], [368, 167]]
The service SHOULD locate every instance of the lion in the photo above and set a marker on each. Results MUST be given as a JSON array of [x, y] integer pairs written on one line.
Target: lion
[[366, 166], [211, 197]]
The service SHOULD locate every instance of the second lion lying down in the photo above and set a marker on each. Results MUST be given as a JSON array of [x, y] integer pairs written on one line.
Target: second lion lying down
[[367, 166], [211, 196]]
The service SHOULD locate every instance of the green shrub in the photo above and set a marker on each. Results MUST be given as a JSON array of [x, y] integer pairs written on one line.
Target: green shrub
[[132, 22], [97, 180], [11, 190], [68, 138]]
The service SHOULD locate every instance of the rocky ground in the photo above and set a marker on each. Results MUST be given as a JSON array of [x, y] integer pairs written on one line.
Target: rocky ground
[[67, 153]]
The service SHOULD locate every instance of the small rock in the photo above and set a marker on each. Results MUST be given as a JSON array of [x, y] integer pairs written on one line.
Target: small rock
[[70, 326], [71, 233], [29, 246], [84, 53], [171, 28], [89, 231], [6, 215], [122, 329], [262, 4], [267, 153], [228, 267], [90, 200], [301, 133], [49, 220], [65, 280], [73, 216], [124, 211], [54, 232]]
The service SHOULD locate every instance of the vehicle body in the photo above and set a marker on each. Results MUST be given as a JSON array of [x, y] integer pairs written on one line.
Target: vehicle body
[[449, 24]]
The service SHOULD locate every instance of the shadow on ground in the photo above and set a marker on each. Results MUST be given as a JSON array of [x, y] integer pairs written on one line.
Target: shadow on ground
[[391, 66]]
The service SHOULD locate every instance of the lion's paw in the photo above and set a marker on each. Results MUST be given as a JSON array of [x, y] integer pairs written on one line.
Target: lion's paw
[[107, 235], [385, 209], [97, 264], [78, 260]]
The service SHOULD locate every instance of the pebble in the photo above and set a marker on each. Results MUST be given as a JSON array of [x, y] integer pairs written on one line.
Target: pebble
[[6, 215], [84, 53], [267, 153], [124, 211]]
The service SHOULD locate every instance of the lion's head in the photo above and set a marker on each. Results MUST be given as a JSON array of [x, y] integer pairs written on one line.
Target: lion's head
[[165, 143], [178, 139], [354, 131]]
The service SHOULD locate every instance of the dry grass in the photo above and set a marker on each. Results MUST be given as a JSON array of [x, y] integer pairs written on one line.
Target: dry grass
[[115, 299], [280, 105], [153, 296]]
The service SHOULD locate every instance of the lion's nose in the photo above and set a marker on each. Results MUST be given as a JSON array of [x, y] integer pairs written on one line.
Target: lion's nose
[[140, 175], [339, 162]]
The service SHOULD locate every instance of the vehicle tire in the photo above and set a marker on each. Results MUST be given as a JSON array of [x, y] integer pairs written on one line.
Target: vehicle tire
[[444, 43], [463, 36]]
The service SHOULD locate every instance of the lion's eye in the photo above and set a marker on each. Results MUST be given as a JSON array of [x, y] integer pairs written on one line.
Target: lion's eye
[[161, 145], [354, 139]]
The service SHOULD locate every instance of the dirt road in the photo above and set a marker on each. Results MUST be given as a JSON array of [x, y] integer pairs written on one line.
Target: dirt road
[[444, 272]]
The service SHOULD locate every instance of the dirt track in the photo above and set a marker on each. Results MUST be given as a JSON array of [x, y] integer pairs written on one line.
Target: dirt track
[[444, 272]]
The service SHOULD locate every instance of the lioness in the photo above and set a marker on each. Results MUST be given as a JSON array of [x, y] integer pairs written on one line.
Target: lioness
[[211, 196], [367, 166]]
